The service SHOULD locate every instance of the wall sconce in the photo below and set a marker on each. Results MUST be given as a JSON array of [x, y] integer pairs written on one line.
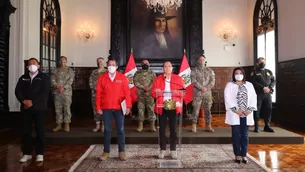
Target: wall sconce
[[85, 32], [228, 34]]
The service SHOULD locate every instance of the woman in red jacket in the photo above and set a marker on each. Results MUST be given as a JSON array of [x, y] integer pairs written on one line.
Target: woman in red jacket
[[162, 90], [111, 90]]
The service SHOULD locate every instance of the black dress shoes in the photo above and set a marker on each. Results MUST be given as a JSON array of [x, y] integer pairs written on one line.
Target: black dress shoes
[[268, 129]]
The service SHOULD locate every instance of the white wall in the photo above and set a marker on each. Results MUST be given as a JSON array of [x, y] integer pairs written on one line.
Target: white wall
[[251, 6], [291, 29], [215, 14], [75, 13]]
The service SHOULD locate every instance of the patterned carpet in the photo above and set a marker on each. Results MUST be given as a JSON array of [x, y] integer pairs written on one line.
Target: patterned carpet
[[142, 158]]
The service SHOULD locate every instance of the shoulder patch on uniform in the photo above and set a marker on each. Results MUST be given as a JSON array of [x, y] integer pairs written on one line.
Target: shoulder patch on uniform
[[252, 73], [268, 73]]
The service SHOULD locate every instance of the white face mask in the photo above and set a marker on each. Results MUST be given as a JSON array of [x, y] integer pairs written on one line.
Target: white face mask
[[111, 69], [33, 68], [239, 77]]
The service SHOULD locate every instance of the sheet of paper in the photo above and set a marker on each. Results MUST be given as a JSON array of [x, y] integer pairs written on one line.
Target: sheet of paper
[[123, 105]]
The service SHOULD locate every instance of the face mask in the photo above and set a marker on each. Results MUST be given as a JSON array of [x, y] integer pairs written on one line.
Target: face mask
[[33, 68], [201, 62], [239, 77], [111, 69], [261, 65], [62, 63], [100, 64], [145, 66]]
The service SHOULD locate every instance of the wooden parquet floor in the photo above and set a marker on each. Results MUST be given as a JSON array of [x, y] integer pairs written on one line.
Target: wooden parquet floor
[[59, 158]]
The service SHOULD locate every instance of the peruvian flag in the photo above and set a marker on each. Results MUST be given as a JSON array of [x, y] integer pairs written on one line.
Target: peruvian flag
[[185, 74], [130, 70]]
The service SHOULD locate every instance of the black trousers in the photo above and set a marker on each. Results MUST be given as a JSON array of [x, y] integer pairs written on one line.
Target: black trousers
[[264, 106], [30, 116], [172, 120]]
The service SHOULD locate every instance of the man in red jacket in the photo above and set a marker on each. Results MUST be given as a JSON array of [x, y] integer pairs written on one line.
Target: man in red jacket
[[166, 84], [111, 90]]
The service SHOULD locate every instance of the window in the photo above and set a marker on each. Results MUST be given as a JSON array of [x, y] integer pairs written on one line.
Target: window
[[49, 35], [265, 34]]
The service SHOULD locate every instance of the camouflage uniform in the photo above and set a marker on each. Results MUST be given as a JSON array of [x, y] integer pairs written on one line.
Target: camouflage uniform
[[62, 101], [145, 79], [92, 83], [202, 77]]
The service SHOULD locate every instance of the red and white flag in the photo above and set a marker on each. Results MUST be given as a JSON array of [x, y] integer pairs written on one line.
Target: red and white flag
[[185, 74], [130, 70]]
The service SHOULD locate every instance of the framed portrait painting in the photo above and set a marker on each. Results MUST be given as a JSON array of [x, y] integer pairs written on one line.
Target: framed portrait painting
[[153, 35]]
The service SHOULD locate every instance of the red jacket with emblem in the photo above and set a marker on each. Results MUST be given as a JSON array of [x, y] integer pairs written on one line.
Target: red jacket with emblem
[[176, 83], [110, 94]]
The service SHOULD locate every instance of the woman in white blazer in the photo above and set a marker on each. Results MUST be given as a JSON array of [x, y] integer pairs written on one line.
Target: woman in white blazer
[[240, 102]]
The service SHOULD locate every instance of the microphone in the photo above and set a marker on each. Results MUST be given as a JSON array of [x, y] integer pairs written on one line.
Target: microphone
[[182, 88]]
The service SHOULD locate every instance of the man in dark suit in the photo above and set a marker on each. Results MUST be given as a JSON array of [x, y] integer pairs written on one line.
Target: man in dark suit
[[32, 92], [158, 42]]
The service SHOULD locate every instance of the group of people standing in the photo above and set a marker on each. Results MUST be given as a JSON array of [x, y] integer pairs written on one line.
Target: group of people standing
[[203, 79], [110, 89]]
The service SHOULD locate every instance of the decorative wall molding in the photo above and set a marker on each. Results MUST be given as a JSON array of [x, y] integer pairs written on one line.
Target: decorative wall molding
[[290, 102]]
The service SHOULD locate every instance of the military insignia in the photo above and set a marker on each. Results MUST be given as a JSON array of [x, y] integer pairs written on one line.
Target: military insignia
[[252, 73], [186, 79], [130, 78], [25, 79], [268, 74]]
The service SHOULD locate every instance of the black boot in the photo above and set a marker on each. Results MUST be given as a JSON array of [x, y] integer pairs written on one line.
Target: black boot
[[267, 128], [256, 129]]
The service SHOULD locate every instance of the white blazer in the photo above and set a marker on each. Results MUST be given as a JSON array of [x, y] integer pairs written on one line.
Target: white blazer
[[230, 95]]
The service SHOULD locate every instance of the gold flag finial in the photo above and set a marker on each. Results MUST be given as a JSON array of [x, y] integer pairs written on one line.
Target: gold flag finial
[[131, 50], [184, 50]]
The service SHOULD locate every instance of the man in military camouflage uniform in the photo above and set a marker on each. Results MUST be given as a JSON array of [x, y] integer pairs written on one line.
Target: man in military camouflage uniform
[[143, 80], [92, 83], [203, 79], [61, 80]]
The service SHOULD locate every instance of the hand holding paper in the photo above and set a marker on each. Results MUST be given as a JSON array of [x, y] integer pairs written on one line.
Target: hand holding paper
[[125, 109]]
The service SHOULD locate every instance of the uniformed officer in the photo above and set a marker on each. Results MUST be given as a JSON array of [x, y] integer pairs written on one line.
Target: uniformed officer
[[96, 73], [143, 80], [203, 79], [263, 81], [61, 81]]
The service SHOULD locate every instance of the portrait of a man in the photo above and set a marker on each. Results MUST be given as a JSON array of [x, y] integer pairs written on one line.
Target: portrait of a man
[[155, 35]]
